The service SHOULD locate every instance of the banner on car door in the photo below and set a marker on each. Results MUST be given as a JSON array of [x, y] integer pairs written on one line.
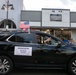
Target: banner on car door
[[24, 51]]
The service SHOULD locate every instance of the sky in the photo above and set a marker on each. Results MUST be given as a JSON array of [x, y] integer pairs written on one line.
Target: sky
[[59, 4]]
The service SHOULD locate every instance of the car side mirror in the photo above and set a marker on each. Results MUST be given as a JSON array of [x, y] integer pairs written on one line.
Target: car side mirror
[[59, 44]]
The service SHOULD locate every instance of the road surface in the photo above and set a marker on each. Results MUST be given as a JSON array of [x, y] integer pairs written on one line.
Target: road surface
[[39, 72]]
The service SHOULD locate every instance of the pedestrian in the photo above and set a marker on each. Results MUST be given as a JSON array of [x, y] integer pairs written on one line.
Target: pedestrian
[[65, 40]]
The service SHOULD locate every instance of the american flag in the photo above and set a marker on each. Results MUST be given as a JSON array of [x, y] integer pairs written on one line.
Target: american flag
[[24, 25]]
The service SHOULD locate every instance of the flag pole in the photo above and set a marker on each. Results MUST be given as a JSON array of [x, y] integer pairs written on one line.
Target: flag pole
[[29, 27]]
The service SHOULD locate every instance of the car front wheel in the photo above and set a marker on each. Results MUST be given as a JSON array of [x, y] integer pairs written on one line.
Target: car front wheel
[[6, 65], [72, 66]]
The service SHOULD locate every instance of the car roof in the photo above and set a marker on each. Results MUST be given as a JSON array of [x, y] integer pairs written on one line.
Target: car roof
[[6, 33], [18, 31]]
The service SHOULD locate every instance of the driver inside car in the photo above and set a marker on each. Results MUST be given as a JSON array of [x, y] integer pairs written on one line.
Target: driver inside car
[[48, 40]]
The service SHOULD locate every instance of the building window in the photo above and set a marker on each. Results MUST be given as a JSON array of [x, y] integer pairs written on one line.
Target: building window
[[8, 23], [56, 17]]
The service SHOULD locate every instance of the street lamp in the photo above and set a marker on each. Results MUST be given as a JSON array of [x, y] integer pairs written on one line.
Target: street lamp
[[6, 6]]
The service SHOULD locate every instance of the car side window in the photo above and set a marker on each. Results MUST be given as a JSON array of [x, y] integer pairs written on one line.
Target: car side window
[[25, 38], [22, 37], [46, 39], [51, 40], [39, 39]]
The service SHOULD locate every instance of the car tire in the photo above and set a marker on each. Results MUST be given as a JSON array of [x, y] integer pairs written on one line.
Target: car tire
[[6, 65], [72, 66]]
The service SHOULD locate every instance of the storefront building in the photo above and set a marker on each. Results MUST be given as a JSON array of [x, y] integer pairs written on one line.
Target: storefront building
[[58, 22]]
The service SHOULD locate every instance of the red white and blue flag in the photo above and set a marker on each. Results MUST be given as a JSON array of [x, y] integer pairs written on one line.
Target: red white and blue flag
[[25, 26]]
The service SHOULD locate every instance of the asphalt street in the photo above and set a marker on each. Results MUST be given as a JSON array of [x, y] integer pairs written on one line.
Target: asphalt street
[[38, 72]]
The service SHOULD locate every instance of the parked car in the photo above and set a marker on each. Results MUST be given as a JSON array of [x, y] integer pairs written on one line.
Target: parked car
[[28, 50]]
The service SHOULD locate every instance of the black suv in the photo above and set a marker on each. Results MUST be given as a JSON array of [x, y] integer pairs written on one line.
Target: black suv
[[28, 50]]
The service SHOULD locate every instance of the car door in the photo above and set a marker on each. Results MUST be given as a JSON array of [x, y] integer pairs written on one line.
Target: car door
[[23, 48], [57, 56], [49, 53], [43, 51]]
